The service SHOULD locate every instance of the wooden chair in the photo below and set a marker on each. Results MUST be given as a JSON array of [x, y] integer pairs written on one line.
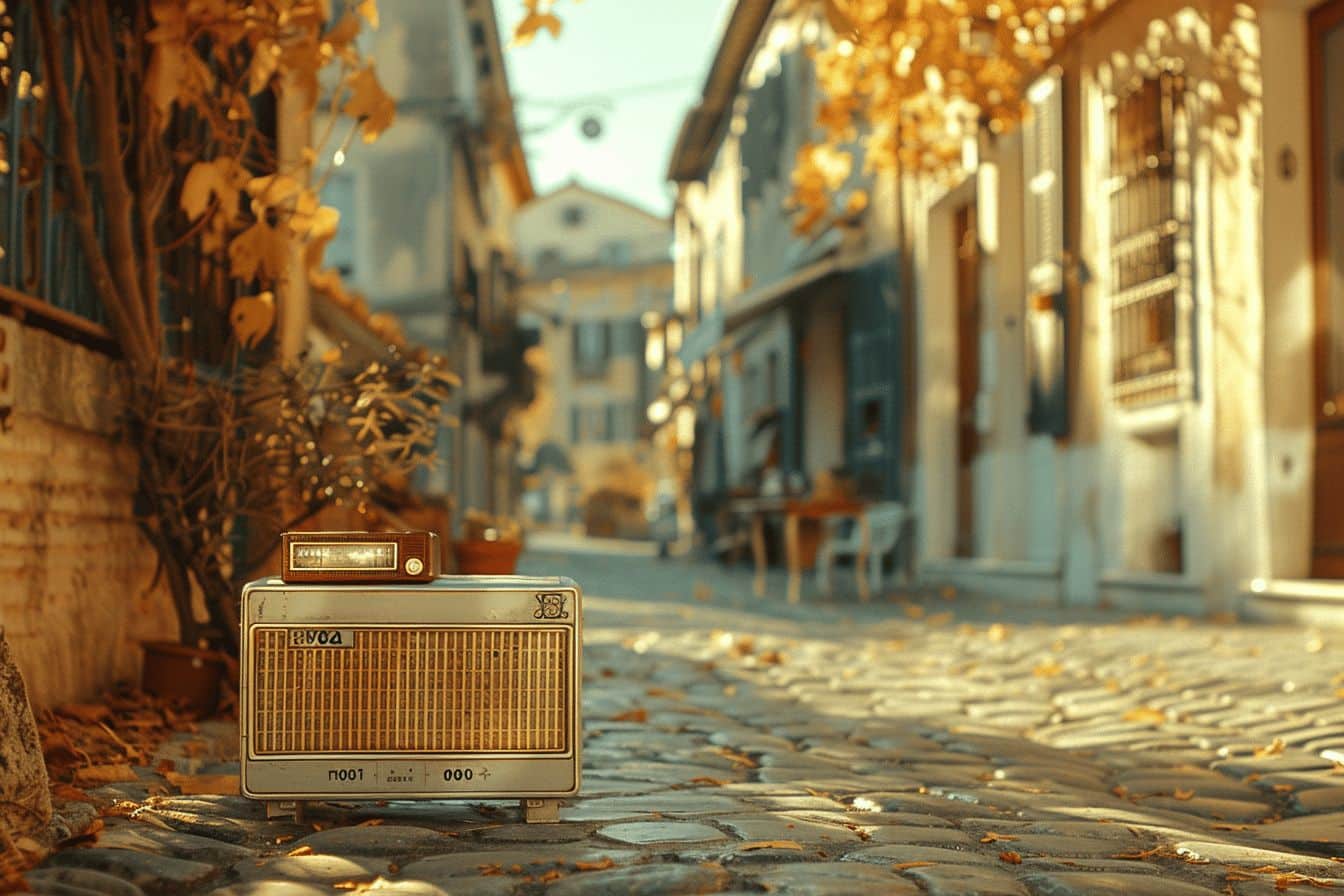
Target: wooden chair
[[876, 532]]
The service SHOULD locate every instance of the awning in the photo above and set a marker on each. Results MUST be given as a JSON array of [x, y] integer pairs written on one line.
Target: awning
[[817, 279]]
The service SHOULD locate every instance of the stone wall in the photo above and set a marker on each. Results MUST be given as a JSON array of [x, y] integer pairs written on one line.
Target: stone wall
[[75, 573]]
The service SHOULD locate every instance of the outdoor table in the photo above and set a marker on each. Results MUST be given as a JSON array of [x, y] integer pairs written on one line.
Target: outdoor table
[[797, 510], [757, 509]]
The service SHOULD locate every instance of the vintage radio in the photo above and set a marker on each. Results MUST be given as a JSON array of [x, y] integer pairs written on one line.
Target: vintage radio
[[396, 685]]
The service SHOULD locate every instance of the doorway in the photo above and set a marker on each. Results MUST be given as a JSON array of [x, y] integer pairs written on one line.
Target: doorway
[[966, 239], [1326, 55]]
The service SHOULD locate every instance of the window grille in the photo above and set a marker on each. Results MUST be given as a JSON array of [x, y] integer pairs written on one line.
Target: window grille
[[39, 248], [1150, 290]]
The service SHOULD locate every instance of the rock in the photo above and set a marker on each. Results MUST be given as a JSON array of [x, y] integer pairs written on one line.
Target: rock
[[25, 798], [146, 838], [647, 832], [389, 841], [832, 879], [965, 880], [1086, 883], [71, 881], [643, 880], [154, 874]]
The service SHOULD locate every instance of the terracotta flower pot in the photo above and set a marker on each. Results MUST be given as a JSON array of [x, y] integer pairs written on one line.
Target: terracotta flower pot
[[487, 558], [177, 672]]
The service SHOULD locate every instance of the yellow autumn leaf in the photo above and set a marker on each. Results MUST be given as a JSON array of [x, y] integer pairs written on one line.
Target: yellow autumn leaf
[[217, 178], [1047, 669], [751, 845], [259, 251], [332, 355], [858, 201], [369, 10], [1183, 795], [273, 189], [252, 317], [265, 61], [1275, 748], [1146, 714], [344, 32], [369, 104], [533, 22], [325, 222]]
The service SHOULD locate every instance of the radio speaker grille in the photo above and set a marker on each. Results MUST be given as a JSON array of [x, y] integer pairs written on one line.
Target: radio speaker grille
[[414, 690]]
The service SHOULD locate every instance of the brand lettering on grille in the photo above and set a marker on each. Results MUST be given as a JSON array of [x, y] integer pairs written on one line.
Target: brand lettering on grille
[[321, 637], [550, 606]]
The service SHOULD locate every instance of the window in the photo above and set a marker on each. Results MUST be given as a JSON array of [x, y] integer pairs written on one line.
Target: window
[[572, 216], [548, 258], [589, 423], [616, 252], [339, 193], [621, 422], [1149, 265], [592, 347]]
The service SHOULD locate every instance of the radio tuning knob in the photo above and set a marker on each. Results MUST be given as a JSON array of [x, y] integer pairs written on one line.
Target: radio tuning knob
[[415, 566]]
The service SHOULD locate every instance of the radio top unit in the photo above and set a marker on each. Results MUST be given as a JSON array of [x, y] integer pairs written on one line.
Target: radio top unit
[[335, 557]]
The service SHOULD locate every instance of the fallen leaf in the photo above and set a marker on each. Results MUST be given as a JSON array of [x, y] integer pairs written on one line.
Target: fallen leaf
[[1183, 794], [224, 785], [304, 850], [1012, 858], [491, 870], [751, 845], [252, 317], [97, 775], [638, 714], [993, 837], [902, 866], [259, 251], [1047, 669], [600, 865], [370, 104], [1146, 714], [710, 782], [1275, 748]]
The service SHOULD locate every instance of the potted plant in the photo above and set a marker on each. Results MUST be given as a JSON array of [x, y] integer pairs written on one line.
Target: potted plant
[[489, 545]]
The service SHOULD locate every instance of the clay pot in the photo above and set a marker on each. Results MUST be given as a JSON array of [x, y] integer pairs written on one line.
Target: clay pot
[[487, 558], [177, 672]]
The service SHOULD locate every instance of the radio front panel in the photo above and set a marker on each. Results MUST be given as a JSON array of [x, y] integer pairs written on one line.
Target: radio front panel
[[460, 686]]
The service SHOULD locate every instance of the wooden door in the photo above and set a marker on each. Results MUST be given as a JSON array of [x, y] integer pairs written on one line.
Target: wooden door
[[968, 372], [1326, 55]]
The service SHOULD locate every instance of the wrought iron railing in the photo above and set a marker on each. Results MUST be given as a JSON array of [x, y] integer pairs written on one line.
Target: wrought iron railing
[[40, 256]]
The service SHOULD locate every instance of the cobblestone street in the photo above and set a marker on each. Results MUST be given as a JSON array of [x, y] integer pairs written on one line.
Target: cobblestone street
[[918, 744]]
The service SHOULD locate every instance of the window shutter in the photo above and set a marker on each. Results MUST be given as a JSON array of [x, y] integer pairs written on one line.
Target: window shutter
[[1043, 157], [1046, 313]]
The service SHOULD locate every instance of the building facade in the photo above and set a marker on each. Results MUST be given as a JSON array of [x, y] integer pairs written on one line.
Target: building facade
[[598, 269], [1127, 317], [784, 358], [426, 234]]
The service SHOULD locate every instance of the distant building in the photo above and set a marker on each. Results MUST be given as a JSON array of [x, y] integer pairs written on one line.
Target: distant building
[[597, 270]]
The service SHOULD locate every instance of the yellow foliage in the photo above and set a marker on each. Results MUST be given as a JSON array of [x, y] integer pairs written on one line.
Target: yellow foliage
[[370, 104], [252, 317]]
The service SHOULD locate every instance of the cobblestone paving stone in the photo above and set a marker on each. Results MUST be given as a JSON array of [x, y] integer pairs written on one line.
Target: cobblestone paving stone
[[912, 745]]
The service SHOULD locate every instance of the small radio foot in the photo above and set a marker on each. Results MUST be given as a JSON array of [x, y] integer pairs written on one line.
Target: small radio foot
[[295, 809], [540, 811]]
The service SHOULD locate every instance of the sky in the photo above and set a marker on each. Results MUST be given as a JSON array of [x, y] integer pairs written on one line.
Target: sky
[[637, 65]]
